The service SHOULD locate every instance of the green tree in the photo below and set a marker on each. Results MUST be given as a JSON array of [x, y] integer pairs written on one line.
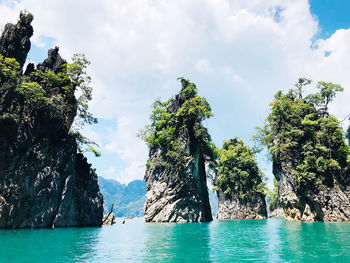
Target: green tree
[[301, 134], [238, 171], [81, 81]]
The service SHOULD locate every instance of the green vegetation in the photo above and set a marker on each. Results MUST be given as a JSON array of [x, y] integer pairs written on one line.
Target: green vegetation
[[175, 118], [51, 92], [238, 171], [76, 71], [273, 198], [32, 92], [300, 133]]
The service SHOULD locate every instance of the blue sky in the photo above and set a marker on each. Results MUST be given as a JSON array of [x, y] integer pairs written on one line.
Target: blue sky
[[331, 14], [238, 52]]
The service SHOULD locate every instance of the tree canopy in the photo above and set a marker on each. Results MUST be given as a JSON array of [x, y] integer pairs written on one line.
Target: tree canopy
[[300, 132], [238, 172], [170, 119]]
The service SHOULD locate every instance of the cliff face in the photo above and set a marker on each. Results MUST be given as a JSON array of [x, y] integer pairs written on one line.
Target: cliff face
[[176, 177], [313, 202], [43, 181], [239, 184], [233, 207]]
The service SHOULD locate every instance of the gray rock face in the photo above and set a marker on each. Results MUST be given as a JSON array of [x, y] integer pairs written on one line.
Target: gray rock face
[[109, 220], [54, 61], [320, 203], [178, 195], [43, 181], [310, 203], [231, 207], [15, 40], [277, 213], [172, 198]]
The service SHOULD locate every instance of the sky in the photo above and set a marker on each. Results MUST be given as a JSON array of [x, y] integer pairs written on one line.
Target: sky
[[239, 54]]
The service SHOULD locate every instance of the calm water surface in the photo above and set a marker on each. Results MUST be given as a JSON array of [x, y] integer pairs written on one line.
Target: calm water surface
[[271, 240]]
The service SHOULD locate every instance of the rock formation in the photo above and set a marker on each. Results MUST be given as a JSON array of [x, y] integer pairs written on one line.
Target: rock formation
[[15, 39], [109, 219], [310, 156], [316, 203], [176, 176], [232, 207], [239, 185], [276, 213], [44, 182]]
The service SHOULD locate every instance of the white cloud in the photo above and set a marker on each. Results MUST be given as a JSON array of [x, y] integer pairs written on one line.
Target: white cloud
[[109, 170], [239, 53], [203, 66], [132, 172]]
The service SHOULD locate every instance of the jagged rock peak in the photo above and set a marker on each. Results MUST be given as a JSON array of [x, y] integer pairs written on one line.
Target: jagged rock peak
[[15, 39], [53, 62], [176, 174]]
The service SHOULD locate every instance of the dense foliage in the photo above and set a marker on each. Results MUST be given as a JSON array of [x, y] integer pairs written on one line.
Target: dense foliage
[[238, 172], [174, 118], [50, 92], [300, 133]]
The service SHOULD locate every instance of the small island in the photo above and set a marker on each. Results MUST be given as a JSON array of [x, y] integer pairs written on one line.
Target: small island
[[179, 147], [310, 156], [239, 183]]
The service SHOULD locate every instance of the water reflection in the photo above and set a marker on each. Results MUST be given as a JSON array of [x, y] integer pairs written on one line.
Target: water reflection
[[239, 240], [177, 242], [316, 242], [48, 245]]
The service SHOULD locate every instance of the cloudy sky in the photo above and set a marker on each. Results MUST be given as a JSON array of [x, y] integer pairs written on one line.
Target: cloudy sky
[[238, 52]]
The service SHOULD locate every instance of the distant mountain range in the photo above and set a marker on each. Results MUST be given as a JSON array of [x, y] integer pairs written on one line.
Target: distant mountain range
[[129, 199]]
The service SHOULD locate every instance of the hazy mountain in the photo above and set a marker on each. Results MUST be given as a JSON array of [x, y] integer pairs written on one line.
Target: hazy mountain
[[128, 199]]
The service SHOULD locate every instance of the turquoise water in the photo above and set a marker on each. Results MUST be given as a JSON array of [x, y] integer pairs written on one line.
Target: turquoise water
[[271, 240]]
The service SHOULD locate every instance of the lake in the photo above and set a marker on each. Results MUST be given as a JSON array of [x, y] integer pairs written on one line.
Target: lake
[[271, 240]]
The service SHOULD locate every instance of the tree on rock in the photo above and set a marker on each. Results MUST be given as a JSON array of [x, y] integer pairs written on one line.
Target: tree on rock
[[239, 183], [309, 154]]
